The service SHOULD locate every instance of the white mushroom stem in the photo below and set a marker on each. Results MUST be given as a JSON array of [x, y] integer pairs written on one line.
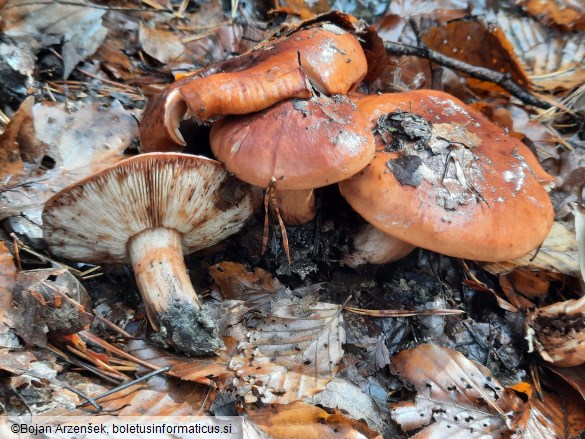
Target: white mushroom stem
[[372, 246], [161, 274], [296, 207]]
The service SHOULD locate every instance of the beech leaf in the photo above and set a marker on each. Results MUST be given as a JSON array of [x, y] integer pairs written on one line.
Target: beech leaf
[[455, 397]]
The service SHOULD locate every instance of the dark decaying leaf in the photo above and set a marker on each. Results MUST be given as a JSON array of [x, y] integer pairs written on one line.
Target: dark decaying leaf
[[455, 397], [40, 298], [405, 169]]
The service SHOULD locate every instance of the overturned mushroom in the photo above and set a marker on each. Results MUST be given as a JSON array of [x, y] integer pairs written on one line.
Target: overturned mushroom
[[150, 210], [325, 57], [295, 147], [446, 179]]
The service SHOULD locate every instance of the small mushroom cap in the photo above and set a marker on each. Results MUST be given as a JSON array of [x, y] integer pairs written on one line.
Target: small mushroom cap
[[460, 187], [301, 144], [92, 220]]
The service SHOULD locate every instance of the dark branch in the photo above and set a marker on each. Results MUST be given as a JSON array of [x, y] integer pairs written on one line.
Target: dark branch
[[502, 79]]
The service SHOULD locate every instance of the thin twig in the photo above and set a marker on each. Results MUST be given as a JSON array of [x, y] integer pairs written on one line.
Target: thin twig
[[504, 80], [130, 384]]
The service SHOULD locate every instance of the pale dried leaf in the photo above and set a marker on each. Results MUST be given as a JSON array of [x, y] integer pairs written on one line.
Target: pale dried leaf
[[306, 421], [292, 354], [551, 59], [455, 397], [346, 396], [80, 142], [91, 135], [80, 29], [579, 212], [558, 253]]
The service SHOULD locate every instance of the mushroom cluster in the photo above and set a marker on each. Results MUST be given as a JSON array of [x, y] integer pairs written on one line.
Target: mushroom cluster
[[421, 167]]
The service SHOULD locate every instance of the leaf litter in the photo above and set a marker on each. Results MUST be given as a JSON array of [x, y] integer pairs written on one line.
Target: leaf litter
[[295, 359]]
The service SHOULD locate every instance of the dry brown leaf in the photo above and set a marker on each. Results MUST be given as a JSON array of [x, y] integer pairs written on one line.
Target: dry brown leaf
[[80, 29], [15, 143], [7, 280], [574, 376], [476, 44], [186, 368], [568, 14], [558, 253], [162, 45], [557, 332], [455, 397], [561, 413], [301, 8], [301, 420], [237, 283], [533, 284]]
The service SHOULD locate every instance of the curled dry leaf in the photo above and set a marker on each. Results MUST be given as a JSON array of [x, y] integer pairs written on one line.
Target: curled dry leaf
[[557, 332], [237, 283], [455, 397], [292, 354], [558, 253], [299, 419]]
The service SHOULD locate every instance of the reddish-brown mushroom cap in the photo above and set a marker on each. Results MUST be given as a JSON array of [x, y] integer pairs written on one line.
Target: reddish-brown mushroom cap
[[295, 146], [299, 144], [449, 180], [150, 210]]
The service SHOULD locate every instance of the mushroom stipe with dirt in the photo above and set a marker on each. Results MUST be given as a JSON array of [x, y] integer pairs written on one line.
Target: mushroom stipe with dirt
[[149, 210]]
